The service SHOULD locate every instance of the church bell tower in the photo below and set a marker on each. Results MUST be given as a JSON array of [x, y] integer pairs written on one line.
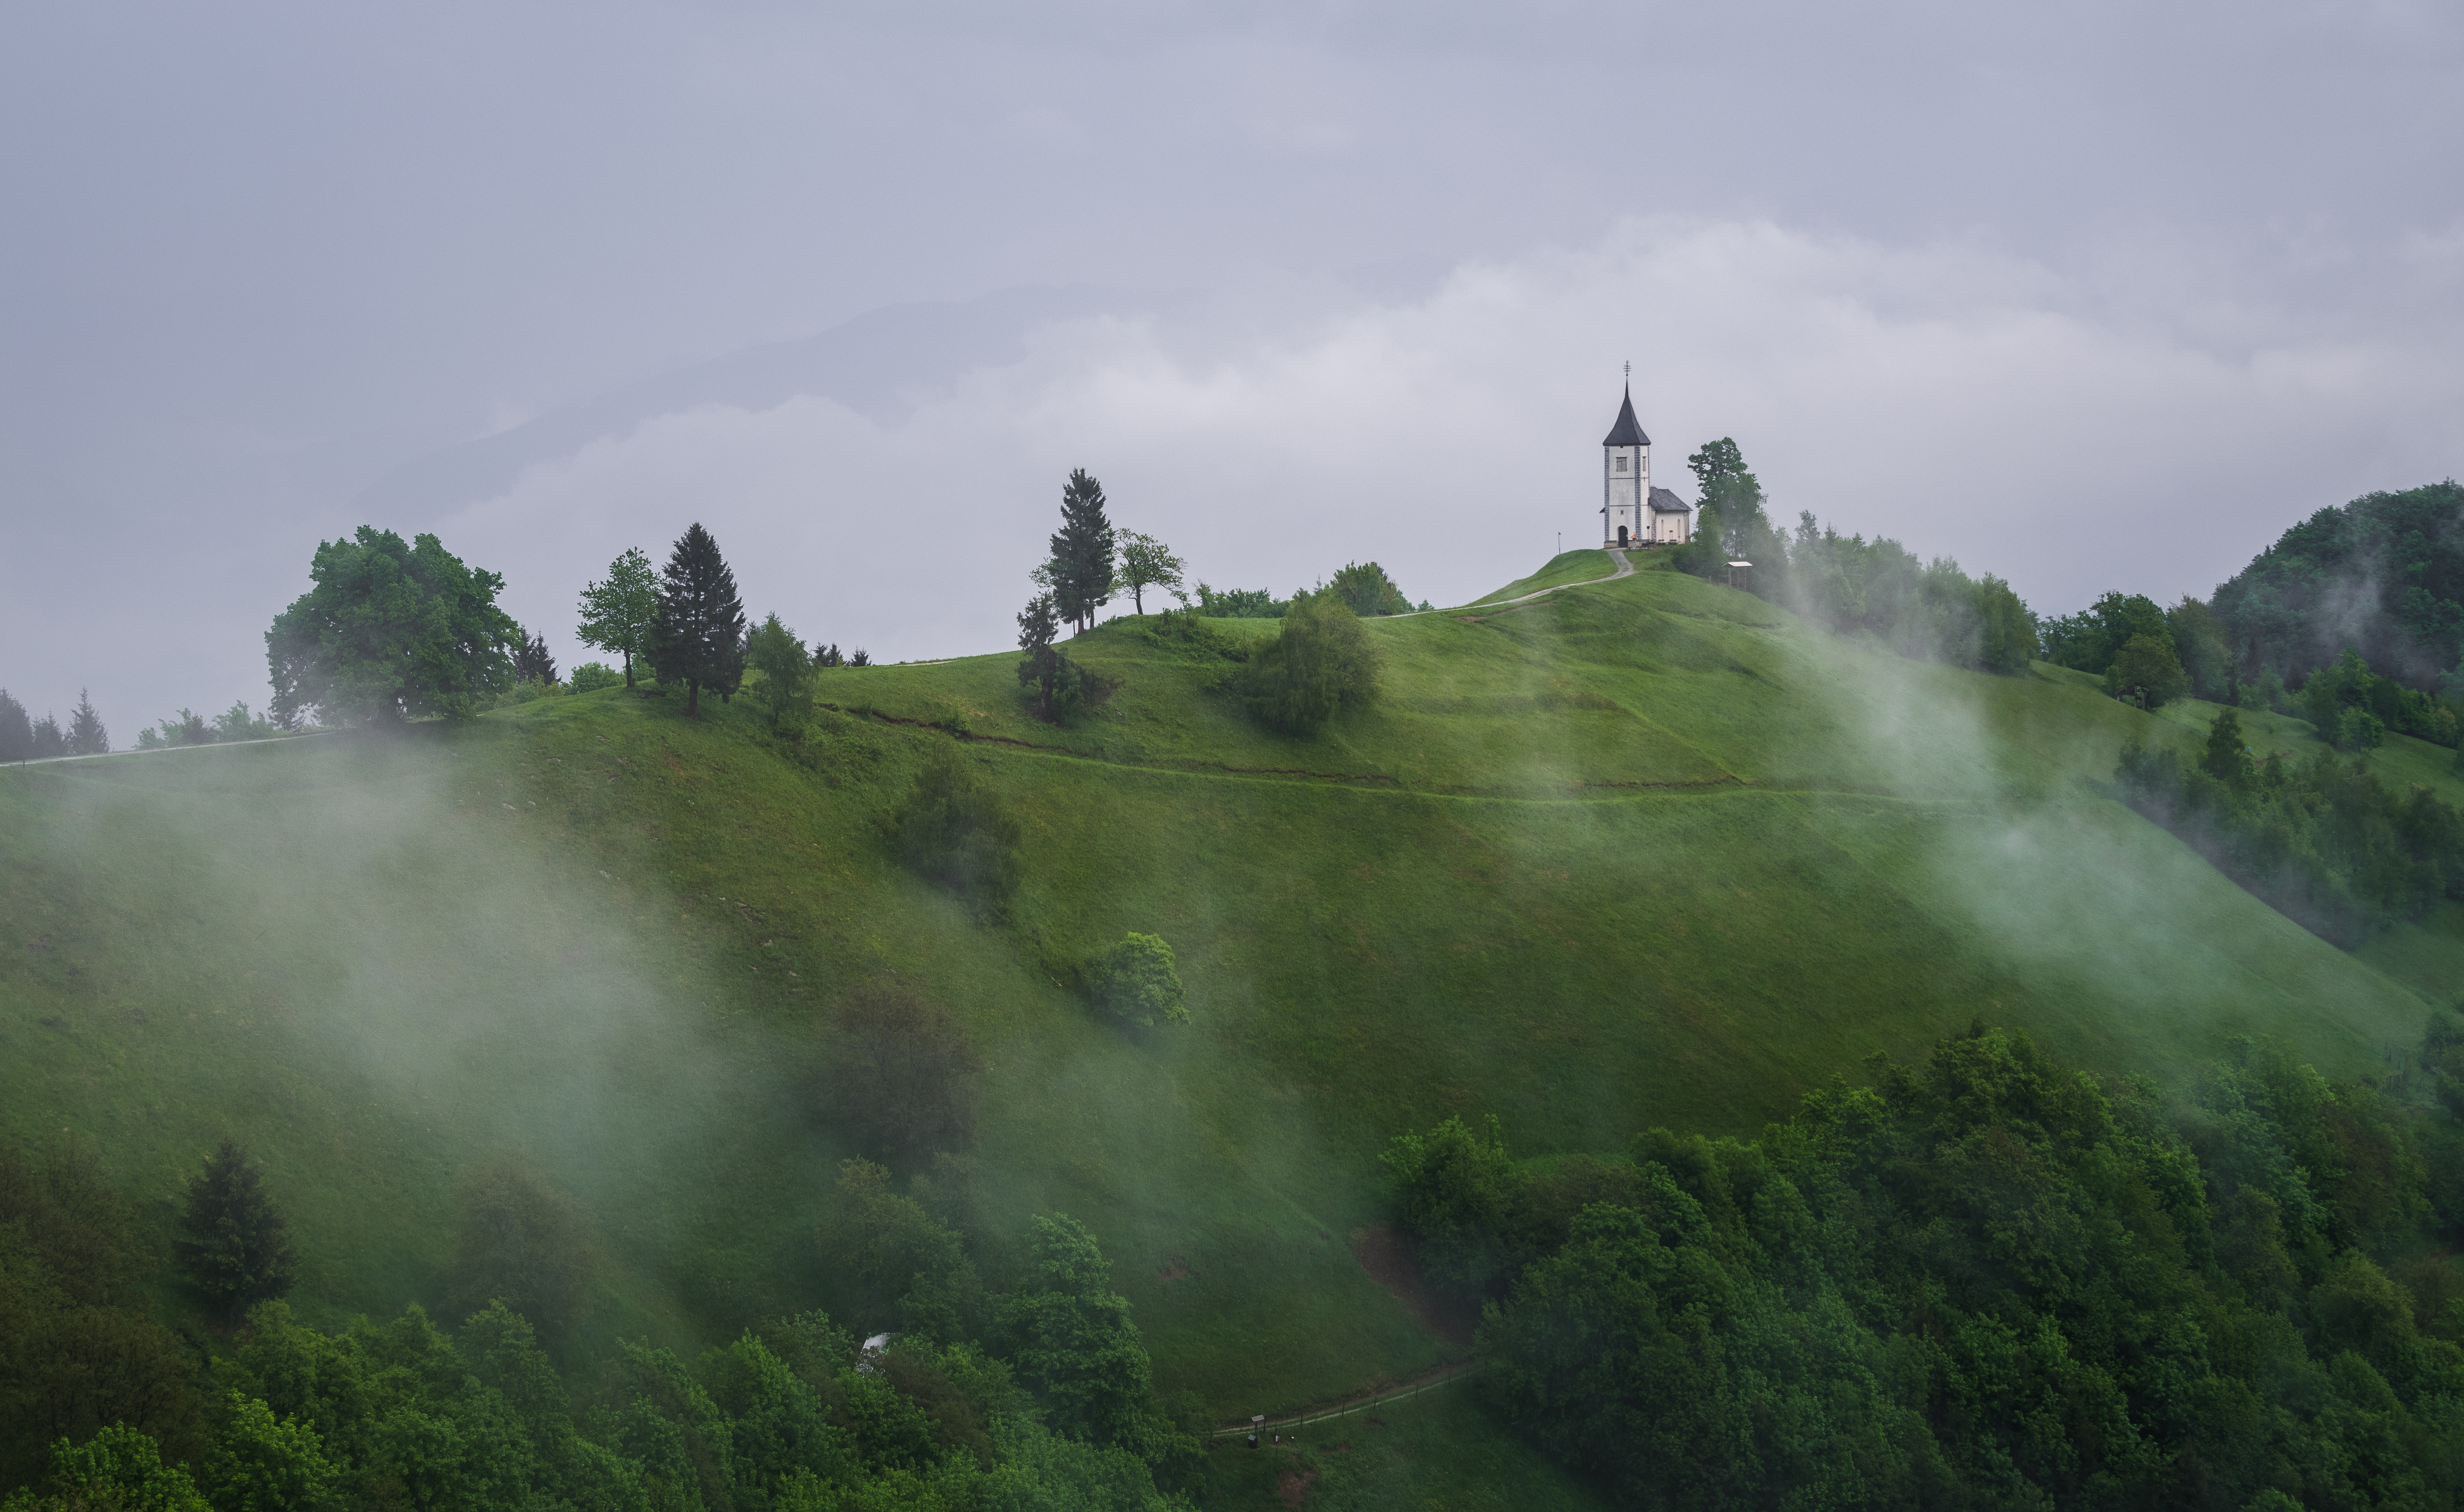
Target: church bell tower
[[1626, 479]]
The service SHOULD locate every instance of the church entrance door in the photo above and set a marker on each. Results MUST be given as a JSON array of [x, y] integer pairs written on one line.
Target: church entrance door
[[1622, 537]]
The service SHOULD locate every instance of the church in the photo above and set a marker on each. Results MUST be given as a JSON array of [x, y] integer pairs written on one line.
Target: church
[[1631, 512]]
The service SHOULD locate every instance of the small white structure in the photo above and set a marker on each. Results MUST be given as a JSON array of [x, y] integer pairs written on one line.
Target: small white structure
[[1631, 512]]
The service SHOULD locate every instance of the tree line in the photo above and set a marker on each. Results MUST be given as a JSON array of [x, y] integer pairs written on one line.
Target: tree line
[[25, 739], [1035, 1395], [1877, 591], [1986, 1280]]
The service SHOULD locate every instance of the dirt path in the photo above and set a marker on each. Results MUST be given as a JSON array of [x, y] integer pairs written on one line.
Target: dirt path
[[1427, 1381]]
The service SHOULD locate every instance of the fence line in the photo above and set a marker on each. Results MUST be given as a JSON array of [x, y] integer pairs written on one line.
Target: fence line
[[1331, 1413]]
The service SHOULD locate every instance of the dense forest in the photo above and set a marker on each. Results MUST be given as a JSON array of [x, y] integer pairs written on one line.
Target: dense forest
[[2383, 575], [1986, 1281]]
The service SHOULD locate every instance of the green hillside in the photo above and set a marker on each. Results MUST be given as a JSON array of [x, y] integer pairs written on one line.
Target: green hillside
[[1645, 851]]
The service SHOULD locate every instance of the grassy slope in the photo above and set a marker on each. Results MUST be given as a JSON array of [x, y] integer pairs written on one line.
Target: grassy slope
[[1643, 852], [1567, 566]]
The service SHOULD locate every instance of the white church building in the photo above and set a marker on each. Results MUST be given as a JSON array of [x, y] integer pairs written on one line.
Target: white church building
[[1631, 512]]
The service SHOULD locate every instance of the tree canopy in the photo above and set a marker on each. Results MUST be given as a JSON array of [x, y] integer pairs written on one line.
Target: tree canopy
[[2384, 574], [1080, 572], [618, 611], [232, 1246], [1323, 661], [1146, 562], [390, 632], [697, 632]]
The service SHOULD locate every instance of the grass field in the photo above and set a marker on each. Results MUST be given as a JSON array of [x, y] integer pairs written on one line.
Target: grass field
[[1642, 852]]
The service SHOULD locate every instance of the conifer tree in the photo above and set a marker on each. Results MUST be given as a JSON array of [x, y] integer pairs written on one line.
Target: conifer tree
[[86, 735], [49, 742], [1082, 551], [17, 734], [232, 1246], [616, 614], [532, 663], [697, 635]]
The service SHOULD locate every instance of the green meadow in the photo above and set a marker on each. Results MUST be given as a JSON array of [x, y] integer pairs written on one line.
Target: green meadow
[[1642, 852]]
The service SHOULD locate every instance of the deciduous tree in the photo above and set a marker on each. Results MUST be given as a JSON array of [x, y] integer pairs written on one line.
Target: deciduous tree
[[1136, 983], [1146, 562], [697, 635], [903, 1075], [520, 1242], [617, 611], [1071, 1335], [2146, 672], [233, 1244], [391, 632], [786, 683], [1321, 662], [955, 829]]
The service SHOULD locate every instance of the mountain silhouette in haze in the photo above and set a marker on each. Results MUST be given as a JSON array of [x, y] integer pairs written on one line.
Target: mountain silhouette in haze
[[874, 364]]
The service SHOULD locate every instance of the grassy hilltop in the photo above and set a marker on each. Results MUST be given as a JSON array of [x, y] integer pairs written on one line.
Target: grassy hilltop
[[1645, 851]]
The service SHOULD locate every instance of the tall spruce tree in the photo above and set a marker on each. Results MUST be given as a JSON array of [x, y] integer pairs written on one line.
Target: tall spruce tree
[[16, 732], [697, 635], [616, 614], [532, 663], [49, 742], [86, 735], [1082, 551], [232, 1246]]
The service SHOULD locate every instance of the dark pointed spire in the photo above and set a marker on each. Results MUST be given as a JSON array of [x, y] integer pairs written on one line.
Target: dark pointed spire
[[1628, 430]]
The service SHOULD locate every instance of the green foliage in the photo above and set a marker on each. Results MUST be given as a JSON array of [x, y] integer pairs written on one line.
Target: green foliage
[[2384, 574], [1080, 571], [1321, 663], [17, 732], [697, 633], [86, 735], [2203, 644], [390, 632], [1063, 688], [956, 830], [1367, 591], [1241, 603], [261, 1464], [2227, 758], [1136, 983], [2091, 639], [2321, 839], [234, 1247], [1991, 1280], [532, 663], [2353, 708], [519, 1241], [1146, 562], [118, 1470], [1878, 589], [2146, 672], [901, 1076], [618, 612], [1451, 1189], [1071, 1339], [901, 1257], [592, 676], [80, 1350], [785, 691]]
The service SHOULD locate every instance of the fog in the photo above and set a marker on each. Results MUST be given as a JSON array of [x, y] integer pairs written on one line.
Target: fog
[[2102, 298]]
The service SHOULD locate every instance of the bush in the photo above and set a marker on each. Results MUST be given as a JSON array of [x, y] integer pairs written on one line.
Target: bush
[[521, 1243], [903, 1080], [1136, 983], [957, 831], [2359, 730], [1321, 663], [1366, 590], [592, 676], [1241, 603]]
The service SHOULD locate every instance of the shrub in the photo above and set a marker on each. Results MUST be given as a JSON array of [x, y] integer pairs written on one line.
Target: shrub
[[523, 1244], [1366, 590], [1322, 662], [2359, 730], [1241, 603], [957, 831], [903, 1080], [1136, 982], [592, 676]]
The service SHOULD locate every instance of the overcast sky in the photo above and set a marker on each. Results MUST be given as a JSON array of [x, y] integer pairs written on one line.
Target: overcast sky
[[2091, 296]]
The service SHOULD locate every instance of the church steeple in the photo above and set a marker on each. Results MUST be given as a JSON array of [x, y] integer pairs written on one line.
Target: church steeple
[[1628, 430]]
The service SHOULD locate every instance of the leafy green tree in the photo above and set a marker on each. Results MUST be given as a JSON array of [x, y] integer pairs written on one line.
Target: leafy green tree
[[261, 1464], [786, 683], [2359, 730], [2146, 672], [1146, 562], [389, 633], [618, 611], [16, 731], [1719, 471], [1365, 588], [1322, 662], [1136, 983], [1240, 603], [1070, 1337], [955, 829], [1061, 687], [2092, 639], [518, 1241], [1451, 1189], [900, 1255], [902, 1075], [592, 676], [697, 633], [118, 1470], [232, 1244], [2008, 642], [2227, 758], [1080, 570], [86, 734], [2200, 639]]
